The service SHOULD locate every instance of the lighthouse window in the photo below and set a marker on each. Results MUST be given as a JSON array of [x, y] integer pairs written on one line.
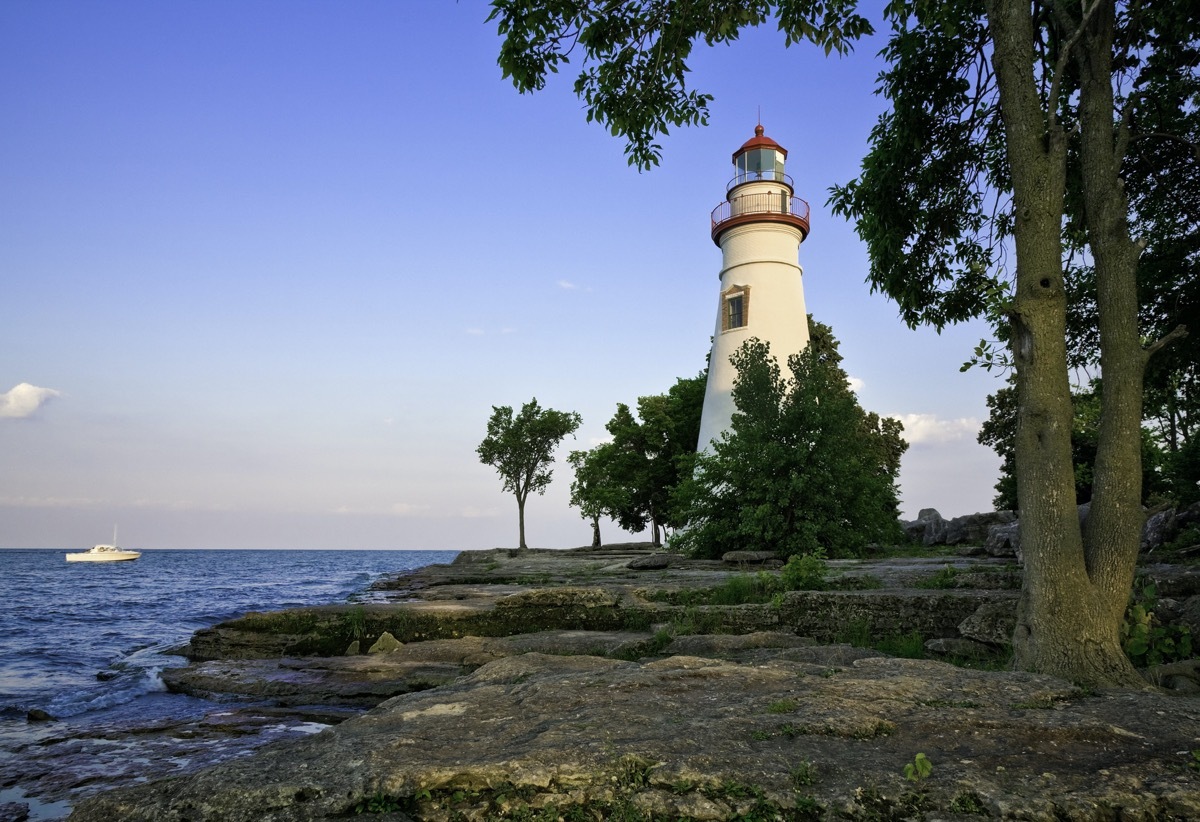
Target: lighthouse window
[[760, 164], [737, 311], [734, 314]]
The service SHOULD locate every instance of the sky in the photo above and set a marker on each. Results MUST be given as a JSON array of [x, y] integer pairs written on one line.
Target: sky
[[265, 269]]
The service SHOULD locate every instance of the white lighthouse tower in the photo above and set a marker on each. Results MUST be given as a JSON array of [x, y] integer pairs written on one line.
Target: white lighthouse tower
[[759, 228]]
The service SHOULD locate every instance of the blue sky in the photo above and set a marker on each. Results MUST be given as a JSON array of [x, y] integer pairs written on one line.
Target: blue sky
[[266, 267]]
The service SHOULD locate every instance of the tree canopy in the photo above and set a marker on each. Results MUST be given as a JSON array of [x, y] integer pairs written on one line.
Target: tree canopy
[[999, 431], [521, 449], [634, 55]]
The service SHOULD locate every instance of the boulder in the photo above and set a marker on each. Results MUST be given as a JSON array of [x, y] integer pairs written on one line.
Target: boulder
[[928, 528], [748, 557], [652, 562], [973, 529], [562, 597], [958, 647], [1004, 540], [385, 644], [992, 623], [723, 645], [1188, 616], [1160, 528]]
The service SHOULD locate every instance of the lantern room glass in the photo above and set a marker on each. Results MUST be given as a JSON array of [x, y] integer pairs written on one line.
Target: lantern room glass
[[759, 164]]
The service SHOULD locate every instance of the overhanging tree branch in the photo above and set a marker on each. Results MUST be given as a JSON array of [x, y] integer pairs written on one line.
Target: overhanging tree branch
[[1177, 333]]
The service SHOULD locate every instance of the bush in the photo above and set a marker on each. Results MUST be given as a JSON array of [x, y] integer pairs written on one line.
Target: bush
[[803, 468], [805, 572], [1145, 640]]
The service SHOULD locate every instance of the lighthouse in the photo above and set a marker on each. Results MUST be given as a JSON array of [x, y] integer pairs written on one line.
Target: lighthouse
[[759, 228]]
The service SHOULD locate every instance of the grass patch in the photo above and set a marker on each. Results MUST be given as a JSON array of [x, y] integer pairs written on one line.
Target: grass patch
[[943, 579], [804, 774], [907, 646], [807, 572]]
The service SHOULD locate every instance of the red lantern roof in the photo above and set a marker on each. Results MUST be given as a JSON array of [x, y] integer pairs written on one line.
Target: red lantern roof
[[759, 140]]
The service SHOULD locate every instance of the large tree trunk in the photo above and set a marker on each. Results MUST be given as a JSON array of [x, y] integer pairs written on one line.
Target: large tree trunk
[[1063, 627], [1112, 535], [596, 532]]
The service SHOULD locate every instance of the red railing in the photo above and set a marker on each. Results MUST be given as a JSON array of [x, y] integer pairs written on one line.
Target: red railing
[[769, 204]]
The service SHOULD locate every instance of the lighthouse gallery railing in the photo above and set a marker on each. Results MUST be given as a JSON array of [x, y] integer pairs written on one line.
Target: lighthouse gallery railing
[[768, 202]]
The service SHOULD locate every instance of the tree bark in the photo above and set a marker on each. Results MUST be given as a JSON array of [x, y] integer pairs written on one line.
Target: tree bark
[[1112, 535], [596, 532], [1063, 627], [521, 546]]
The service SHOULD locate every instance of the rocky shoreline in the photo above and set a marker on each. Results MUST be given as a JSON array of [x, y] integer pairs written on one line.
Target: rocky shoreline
[[594, 684]]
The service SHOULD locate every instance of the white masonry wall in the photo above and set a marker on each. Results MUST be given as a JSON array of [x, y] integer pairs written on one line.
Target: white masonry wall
[[765, 257]]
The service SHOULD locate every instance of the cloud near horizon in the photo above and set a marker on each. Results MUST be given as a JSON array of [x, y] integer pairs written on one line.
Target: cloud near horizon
[[927, 429], [24, 400]]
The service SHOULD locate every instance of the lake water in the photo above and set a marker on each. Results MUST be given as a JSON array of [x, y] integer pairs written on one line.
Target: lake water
[[85, 643]]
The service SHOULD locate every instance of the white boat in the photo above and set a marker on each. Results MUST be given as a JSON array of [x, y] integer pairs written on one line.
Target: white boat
[[104, 553]]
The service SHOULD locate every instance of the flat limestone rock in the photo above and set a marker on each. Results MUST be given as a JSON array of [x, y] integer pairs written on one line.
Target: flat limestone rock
[[367, 680], [695, 737]]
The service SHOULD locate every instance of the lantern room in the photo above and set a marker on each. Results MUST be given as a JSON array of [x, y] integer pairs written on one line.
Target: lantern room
[[759, 159]]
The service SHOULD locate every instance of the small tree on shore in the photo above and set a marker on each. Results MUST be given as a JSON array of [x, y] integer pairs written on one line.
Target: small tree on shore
[[521, 449], [594, 491]]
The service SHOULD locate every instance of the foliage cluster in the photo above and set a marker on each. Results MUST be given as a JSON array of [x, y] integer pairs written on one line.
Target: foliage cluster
[[1148, 642], [858, 633], [1162, 473], [920, 768], [803, 468], [942, 580], [632, 478], [803, 572]]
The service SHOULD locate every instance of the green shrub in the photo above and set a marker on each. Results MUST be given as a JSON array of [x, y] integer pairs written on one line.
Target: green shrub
[[1145, 640], [805, 572]]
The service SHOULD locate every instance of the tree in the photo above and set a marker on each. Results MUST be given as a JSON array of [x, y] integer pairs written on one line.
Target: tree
[[521, 449], [999, 96], [652, 452], [594, 491], [988, 100], [632, 478], [803, 468], [1163, 187]]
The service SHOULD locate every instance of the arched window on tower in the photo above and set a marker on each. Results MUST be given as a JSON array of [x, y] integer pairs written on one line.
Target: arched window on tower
[[735, 307]]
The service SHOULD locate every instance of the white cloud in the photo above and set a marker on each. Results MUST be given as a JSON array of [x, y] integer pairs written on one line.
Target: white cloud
[[475, 332], [53, 502], [927, 429], [24, 400], [473, 512], [406, 509], [856, 384], [567, 284]]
